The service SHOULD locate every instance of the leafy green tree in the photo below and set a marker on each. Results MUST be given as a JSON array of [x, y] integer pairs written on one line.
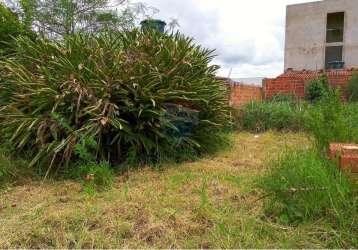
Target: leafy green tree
[[61, 18], [10, 27]]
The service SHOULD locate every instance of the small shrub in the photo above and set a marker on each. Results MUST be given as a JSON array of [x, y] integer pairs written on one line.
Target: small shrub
[[317, 89], [94, 176], [352, 89], [302, 186]]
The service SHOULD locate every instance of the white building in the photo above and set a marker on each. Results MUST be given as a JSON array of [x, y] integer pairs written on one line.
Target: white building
[[321, 35]]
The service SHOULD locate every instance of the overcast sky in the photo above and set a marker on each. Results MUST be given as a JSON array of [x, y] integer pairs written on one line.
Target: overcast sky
[[248, 35]]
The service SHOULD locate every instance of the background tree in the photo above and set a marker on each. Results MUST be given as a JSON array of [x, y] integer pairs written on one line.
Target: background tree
[[10, 27], [60, 18]]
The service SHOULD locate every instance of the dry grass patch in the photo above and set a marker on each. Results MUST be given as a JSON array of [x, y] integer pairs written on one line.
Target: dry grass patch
[[205, 204]]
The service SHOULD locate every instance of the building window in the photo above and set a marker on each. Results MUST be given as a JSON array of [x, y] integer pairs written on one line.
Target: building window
[[334, 54], [335, 27]]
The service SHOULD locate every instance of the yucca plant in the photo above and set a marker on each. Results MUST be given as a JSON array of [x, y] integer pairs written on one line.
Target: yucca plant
[[138, 96]]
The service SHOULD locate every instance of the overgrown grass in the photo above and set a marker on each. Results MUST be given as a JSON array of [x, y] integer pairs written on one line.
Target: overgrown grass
[[329, 120], [209, 203], [268, 115], [304, 187]]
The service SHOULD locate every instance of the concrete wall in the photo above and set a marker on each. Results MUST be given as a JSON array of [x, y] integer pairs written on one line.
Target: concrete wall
[[306, 34]]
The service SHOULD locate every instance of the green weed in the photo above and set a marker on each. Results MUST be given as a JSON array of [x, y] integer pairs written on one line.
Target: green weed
[[94, 176]]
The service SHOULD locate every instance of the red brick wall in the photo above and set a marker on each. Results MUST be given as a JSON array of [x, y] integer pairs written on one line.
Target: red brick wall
[[241, 94], [294, 82]]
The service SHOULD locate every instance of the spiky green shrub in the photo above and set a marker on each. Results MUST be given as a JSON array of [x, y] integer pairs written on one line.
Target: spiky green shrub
[[140, 96]]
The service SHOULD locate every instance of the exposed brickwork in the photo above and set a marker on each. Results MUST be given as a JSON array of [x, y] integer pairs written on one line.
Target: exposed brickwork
[[294, 82], [241, 94]]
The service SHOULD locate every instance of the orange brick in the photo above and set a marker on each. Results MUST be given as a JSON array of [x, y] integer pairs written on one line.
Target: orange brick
[[349, 161], [337, 149]]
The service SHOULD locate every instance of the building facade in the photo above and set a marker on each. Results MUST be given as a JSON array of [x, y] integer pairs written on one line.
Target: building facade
[[322, 35]]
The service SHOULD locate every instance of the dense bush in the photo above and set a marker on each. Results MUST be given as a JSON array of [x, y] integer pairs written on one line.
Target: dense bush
[[352, 89], [303, 186], [317, 89], [139, 96], [278, 115]]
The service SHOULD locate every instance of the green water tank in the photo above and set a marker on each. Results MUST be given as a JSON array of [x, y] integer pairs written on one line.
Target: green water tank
[[153, 24]]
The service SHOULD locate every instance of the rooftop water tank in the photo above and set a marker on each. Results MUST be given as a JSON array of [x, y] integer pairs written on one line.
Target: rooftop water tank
[[153, 24]]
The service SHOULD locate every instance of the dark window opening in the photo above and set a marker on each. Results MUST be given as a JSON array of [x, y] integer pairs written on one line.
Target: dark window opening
[[335, 27], [334, 56]]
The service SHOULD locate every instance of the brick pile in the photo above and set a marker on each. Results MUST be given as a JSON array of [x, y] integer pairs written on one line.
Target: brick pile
[[346, 154]]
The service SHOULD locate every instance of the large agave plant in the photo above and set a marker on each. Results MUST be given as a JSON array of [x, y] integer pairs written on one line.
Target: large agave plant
[[140, 96]]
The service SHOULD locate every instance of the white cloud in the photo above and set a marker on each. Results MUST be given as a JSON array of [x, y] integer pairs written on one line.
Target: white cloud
[[248, 35]]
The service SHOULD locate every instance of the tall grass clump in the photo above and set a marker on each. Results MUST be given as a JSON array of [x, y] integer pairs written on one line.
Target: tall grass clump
[[304, 187], [135, 97], [327, 121], [350, 115], [352, 88], [94, 177], [267, 115]]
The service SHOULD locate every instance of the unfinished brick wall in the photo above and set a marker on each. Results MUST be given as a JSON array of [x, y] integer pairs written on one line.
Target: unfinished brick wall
[[294, 82], [241, 94]]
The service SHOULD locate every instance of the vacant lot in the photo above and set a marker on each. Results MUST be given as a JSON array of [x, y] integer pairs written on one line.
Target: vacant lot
[[211, 203]]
